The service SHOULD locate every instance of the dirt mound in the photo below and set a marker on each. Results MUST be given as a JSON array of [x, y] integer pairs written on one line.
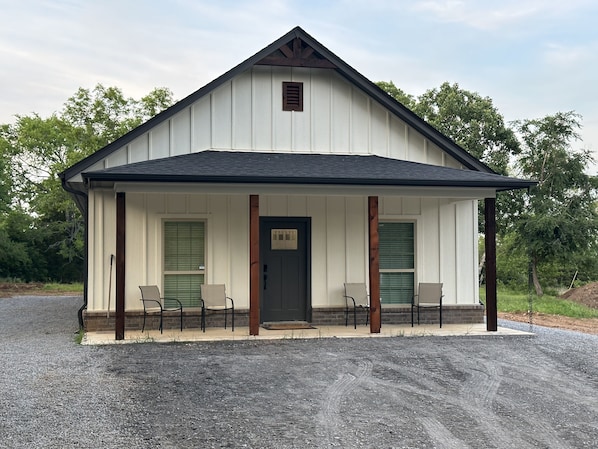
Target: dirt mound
[[586, 295]]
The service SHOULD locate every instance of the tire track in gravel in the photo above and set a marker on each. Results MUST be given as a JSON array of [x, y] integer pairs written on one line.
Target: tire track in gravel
[[482, 385], [477, 396], [538, 430], [416, 388], [419, 378], [330, 417], [440, 435], [474, 397], [529, 376], [522, 374], [480, 394]]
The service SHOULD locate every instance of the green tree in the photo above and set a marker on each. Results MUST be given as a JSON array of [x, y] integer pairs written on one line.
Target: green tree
[[469, 119], [558, 220], [5, 182], [37, 149], [397, 93], [512, 271], [472, 121], [102, 115], [14, 258]]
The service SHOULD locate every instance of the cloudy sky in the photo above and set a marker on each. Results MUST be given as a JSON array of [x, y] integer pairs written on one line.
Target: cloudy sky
[[531, 57]]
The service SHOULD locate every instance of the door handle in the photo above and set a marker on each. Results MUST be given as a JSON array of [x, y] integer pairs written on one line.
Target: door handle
[[265, 276]]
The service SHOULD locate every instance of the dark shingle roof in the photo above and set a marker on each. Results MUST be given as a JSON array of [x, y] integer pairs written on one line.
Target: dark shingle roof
[[293, 168]]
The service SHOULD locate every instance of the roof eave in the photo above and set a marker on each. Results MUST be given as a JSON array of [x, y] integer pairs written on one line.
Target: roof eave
[[507, 184]]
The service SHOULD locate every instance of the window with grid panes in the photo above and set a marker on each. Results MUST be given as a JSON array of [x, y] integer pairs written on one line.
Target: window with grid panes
[[184, 261], [397, 262]]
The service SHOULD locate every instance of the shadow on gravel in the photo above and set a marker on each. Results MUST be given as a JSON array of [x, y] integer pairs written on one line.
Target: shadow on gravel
[[424, 392]]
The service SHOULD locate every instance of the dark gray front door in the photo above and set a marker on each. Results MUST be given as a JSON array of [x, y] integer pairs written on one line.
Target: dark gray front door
[[284, 257]]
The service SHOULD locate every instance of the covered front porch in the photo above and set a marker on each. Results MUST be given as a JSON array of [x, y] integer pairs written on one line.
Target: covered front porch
[[248, 306], [341, 201]]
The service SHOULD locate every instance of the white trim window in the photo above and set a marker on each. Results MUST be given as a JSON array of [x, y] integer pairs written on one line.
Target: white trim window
[[184, 260], [397, 262]]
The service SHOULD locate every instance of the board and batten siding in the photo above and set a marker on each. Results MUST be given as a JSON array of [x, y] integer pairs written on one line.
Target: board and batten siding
[[245, 114], [227, 241], [446, 249]]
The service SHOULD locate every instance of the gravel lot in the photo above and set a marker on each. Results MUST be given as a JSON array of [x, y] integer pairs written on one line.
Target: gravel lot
[[422, 392]]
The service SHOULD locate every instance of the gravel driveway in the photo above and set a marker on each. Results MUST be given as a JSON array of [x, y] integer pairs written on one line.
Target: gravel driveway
[[421, 392]]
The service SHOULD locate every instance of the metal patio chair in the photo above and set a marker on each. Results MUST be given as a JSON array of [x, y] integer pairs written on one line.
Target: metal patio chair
[[213, 297], [429, 296], [154, 304], [356, 297]]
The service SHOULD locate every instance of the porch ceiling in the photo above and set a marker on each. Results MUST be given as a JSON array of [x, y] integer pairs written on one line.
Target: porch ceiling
[[232, 167]]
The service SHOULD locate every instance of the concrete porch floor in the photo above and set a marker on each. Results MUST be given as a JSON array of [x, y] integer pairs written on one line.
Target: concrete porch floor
[[242, 333]]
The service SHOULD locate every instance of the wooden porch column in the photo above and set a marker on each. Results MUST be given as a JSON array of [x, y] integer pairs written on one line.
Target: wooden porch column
[[490, 230], [254, 269], [120, 266], [375, 317]]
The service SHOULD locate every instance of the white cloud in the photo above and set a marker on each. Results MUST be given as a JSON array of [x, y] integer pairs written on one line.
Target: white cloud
[[570, 56], [491, 16], [532, 57], [476, 14]]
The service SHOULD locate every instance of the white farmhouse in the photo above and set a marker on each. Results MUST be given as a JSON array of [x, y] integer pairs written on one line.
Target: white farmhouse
[[283, 179]]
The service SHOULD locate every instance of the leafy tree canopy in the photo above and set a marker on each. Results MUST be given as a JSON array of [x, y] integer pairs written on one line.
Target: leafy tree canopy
[[36, 149], [397, 93], [555, 224], [558, 219], [469, 119]]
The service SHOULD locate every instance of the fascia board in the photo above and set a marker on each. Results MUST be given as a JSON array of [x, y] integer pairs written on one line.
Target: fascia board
[[310, 190]]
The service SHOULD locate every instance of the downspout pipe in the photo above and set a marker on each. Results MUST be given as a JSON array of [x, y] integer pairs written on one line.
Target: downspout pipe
[[85, 198]]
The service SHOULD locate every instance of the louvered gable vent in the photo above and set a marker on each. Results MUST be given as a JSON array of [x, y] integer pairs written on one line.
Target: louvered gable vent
[[292, 96]]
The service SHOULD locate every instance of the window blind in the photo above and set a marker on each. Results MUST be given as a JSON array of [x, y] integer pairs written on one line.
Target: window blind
[[396, 246], [184, 261], [183, 246], [397, 262]]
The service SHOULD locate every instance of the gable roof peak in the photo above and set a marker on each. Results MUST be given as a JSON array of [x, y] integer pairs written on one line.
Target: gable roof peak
[[296, 52]]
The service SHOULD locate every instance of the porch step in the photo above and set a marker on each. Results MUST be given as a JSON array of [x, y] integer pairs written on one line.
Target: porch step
[[284, 325]]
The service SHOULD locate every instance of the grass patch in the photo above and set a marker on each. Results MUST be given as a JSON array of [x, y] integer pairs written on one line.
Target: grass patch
[[516, 302], [79, 336], [76, 287]]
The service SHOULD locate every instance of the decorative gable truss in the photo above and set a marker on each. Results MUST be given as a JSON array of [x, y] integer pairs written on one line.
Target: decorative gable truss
[[297, 53]]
